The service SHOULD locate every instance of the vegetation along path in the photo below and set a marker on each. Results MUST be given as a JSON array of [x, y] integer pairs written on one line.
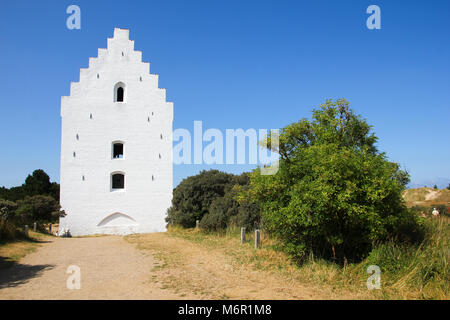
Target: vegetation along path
[[149, 266]]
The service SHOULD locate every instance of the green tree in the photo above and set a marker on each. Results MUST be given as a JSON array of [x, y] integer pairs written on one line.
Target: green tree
[[37, 183], [193, 196], [226, 211], [12, 194], [7, 225], [54, 190], [210, 197], [435, 187], [218, 214], [38, 208], [334, 194], [7, 209]]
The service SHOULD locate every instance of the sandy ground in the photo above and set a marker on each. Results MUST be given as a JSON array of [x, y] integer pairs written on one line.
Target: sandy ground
[[432, 195], [111, 268], [191, 269], [148, 266]]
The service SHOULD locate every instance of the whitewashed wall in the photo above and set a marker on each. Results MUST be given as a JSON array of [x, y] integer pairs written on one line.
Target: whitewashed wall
[[86, 162]]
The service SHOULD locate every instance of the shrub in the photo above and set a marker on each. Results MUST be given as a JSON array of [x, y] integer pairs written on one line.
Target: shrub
[[193, 196], [7, 209], [334, 194], [211, 197], [248, 216], [7, 226], [39, 208], [7, 230], [219, 212], [226, 212]]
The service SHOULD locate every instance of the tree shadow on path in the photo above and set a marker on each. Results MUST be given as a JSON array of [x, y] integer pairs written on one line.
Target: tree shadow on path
[[13, 274]]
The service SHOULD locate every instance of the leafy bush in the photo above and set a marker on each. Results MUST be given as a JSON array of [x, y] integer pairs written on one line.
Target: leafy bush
[[7, 209], [193, 196], [7, 227], [210, 197], [334, 194], [35, 201], [39, 208], [218, 213], [7, 230], [248, 216]]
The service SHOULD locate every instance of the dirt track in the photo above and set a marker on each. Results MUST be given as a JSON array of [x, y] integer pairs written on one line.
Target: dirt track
[[149, 266], [111, 268]]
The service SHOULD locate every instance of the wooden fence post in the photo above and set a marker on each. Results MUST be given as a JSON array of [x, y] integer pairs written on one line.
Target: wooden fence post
[[197, 222], [34, 226], [257, 239], [50, 228], [25, 230], [243, 235]]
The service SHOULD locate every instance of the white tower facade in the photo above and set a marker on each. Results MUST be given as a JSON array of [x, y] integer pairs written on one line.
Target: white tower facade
[[116, 145]]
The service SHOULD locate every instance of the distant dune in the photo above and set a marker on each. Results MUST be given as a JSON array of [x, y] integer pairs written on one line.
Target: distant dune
[[426, 197]]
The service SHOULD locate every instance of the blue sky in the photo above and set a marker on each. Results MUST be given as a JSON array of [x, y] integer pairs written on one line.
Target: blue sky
[[237, 64]]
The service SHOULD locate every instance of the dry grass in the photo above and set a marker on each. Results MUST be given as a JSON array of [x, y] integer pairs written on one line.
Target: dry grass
[[217, 266], [212, 266], [96, 235], [420, 272], [12, 251], [344, 283]]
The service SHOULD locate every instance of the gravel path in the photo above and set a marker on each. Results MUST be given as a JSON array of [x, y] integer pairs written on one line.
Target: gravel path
[[105, 264]]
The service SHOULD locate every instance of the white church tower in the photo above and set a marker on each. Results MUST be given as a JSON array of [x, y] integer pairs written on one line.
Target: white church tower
[[116, 145]]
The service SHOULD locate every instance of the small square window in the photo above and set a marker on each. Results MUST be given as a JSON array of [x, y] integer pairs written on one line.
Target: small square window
[[118, 181], [117, 150]]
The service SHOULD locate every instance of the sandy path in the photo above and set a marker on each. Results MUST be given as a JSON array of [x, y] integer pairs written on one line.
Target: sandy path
[[148, 266], [105, 264], [191, 269]]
